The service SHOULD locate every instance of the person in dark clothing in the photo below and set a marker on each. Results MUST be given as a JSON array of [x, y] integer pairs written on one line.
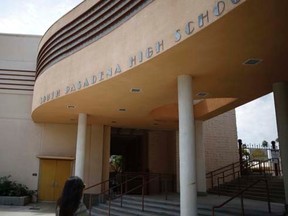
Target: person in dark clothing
[[70, 203]]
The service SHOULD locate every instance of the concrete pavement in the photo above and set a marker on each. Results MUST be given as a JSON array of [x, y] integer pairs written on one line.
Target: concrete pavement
[[48, 208], [40, 209]]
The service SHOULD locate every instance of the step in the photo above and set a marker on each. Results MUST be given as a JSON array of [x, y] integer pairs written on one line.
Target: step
[[202, 211], [133, 210], [254, 190], [153, 200], [257, 192], [275, 199], [260, 192], [153, 208], [118, 211], [150, 204], [102, 209]]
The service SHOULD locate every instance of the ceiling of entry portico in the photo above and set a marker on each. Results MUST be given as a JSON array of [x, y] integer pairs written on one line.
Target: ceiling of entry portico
[[214, 57]]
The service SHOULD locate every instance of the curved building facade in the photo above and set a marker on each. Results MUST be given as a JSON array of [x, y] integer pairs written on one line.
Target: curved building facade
[[130, 44], [155, 81]]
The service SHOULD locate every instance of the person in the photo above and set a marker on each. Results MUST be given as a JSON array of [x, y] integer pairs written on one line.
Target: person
[[70, 203]]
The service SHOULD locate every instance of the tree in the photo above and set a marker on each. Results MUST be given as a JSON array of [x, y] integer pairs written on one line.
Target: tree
[[116, 162], [245, 154], [264, 144]]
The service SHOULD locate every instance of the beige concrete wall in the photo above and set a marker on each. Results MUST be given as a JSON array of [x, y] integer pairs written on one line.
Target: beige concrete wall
[[18, 51], [97, 156], [22, 140], [161, 152], [94, 156], [220, 140], [74, 13], [101, 56], [58, 140], [19, 146], [161, 159]]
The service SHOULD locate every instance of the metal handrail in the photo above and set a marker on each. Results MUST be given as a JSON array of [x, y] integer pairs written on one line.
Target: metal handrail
[[95, 185], [234, 167], [223, 181], [105, 190], [237, 172], [142, 185], [221, 168], [233, 170], [241, 193]]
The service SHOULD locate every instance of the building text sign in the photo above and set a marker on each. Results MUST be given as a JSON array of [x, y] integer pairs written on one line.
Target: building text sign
[[135, 59]]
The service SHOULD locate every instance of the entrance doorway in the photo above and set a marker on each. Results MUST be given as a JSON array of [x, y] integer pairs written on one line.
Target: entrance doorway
[[132, 145], [53, 174]]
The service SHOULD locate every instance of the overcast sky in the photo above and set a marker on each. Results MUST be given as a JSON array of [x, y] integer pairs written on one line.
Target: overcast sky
[[32, 16], [255, 120]]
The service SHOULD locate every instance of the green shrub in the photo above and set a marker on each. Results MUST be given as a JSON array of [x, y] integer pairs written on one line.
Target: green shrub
[[12, 188]]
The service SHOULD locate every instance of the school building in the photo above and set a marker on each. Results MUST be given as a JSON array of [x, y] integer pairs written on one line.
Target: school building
[[155, 81]]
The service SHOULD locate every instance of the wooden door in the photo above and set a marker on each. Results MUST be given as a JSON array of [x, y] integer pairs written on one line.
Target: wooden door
[[62, 173], [53, 174]]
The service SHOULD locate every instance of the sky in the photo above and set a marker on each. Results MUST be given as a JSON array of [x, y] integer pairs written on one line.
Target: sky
[[32, 16], [255, 120]]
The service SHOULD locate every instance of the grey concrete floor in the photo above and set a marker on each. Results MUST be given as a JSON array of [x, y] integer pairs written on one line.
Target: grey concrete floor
[[41, 208], [48, 208]]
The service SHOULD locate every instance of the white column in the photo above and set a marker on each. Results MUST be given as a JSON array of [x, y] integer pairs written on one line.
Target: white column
[[80, 145], [281, 107], [200, 159], [188, 193]]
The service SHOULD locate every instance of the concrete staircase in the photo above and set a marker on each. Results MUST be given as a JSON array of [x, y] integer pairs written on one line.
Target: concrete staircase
[[132, 206], [257, 192]]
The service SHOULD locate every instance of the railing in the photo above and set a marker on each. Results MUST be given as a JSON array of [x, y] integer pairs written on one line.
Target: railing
[[122, 187], [229, 170], [245, 169], [235, 170], [241, 194]]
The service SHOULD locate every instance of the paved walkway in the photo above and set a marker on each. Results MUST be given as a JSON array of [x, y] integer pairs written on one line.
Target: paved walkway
[[48, 209], [40, 209]]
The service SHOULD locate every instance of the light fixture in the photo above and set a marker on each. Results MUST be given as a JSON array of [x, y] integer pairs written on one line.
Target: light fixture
[[202, 94], [252, 61], [71, 107], [135, 90]]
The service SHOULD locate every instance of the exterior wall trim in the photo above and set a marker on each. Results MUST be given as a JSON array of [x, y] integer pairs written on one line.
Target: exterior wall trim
[[56, 158]]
